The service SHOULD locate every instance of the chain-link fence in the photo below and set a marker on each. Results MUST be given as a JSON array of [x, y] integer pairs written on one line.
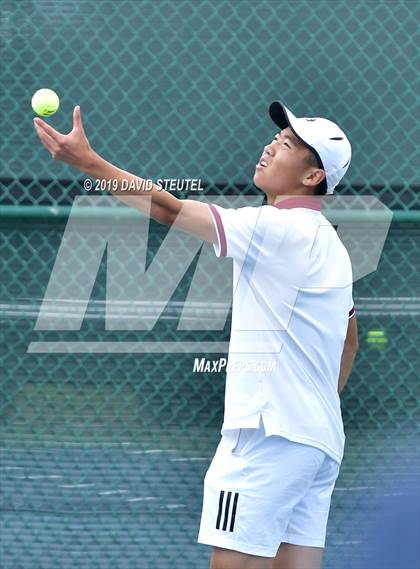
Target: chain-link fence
[[103, 455], [181, 89]]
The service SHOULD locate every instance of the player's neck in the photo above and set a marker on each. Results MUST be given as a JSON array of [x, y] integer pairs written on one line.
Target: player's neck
[[271, 200]]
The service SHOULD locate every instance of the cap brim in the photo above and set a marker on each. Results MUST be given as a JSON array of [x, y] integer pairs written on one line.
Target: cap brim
[[284, 118], [278, 114]]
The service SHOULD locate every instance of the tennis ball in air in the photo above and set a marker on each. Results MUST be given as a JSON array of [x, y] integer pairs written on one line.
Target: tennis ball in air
[[377, 338], [45, 102]]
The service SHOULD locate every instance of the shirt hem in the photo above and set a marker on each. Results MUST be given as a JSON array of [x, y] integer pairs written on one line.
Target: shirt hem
[[291, 436]]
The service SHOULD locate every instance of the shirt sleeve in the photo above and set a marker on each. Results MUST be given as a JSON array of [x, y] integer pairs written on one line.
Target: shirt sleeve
[[235, 228], [352, 310]]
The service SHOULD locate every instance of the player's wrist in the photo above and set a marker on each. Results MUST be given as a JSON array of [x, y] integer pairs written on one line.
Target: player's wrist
[[90, 163]]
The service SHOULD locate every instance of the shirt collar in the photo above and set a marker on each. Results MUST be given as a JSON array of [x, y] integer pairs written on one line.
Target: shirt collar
[[309, 202]]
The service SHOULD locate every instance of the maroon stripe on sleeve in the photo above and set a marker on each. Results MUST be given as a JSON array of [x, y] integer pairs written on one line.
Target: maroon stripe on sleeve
[[220, 229], [352, 312]]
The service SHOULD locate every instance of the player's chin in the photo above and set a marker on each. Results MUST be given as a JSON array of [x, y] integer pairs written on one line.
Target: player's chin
[[258, 179], [257, 174]]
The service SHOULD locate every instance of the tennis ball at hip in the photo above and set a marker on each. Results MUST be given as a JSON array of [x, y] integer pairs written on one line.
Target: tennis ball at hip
[[45, 102]]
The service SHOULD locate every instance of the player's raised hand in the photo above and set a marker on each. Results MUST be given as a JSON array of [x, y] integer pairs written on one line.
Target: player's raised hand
[[72, 148]]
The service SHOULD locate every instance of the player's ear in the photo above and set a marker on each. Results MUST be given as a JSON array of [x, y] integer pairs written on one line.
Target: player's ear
[[314, 177]]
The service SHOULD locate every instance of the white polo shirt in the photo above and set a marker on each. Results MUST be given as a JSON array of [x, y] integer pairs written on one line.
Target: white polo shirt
[[292, 298]]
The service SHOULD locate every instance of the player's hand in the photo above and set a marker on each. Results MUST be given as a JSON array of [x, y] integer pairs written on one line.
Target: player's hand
[[72, 148]]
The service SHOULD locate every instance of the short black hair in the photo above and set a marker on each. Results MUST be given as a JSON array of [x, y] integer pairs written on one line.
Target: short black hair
[[312, 160]]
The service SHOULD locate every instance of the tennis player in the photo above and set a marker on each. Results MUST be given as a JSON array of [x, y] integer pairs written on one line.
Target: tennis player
[[268, 489]]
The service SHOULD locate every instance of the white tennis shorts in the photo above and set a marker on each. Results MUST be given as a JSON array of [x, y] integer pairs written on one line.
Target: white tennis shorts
[[260, 491]]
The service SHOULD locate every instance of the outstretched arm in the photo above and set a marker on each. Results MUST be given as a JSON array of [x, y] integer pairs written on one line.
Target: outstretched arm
[[74, 149]]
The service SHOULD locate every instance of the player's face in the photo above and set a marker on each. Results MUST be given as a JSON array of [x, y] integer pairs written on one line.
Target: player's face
[[282, 166]]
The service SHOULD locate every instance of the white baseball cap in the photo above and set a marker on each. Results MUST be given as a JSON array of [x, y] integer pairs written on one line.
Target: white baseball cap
[[323, 137]]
